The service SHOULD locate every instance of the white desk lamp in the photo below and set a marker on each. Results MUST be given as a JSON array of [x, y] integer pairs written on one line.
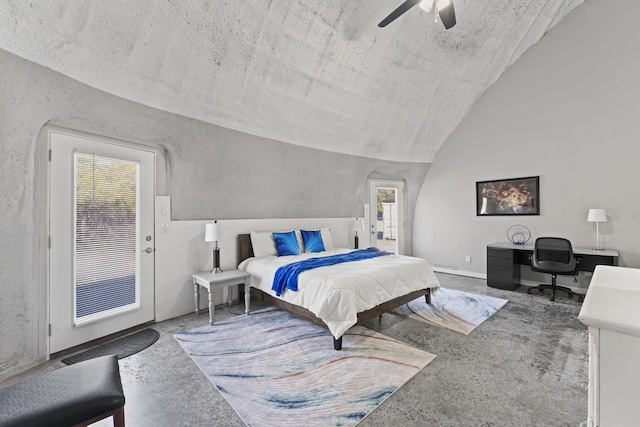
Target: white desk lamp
[[597, 216], [358, 225], [211, 234]]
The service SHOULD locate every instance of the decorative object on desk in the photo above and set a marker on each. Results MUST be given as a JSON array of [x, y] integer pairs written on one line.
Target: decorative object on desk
[[458, 311], [212, 233], [516, 196], [358, 225], [518, 234], [597, 216], [276, 369]]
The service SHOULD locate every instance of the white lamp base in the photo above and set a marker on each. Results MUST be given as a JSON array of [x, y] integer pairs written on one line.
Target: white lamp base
[[598, 248]]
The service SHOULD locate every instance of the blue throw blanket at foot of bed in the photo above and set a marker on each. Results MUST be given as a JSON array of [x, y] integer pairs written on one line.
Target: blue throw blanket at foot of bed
[[286, 277]]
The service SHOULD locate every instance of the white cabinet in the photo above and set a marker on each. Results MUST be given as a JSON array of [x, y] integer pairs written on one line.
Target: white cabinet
[[611, 309]]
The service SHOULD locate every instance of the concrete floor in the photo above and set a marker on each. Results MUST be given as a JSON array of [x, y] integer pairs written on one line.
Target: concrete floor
[[525, 366]]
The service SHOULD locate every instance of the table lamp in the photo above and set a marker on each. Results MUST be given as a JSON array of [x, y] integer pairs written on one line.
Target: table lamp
[[211, 235], [597, 216], [358, 225]]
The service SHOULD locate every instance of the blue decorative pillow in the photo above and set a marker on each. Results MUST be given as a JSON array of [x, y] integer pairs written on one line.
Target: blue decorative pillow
[[286, 243], [312, 241]]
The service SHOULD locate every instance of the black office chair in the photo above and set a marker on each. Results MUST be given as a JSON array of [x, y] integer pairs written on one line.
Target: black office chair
[[554, 255]]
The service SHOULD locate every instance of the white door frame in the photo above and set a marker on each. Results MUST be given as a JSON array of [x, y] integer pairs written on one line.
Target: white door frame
[[146, 312], [399, 185]]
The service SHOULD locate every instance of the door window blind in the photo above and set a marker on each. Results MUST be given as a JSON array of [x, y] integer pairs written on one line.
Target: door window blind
[[107, 241]]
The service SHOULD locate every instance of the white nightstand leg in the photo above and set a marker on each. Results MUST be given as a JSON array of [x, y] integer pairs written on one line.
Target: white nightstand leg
[[196, 296], [247, 297], [211, 307], [230, 292]]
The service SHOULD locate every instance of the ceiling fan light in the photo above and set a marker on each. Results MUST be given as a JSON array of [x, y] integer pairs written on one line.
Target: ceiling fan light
[[426, 5], [441, 4], [447, 15]]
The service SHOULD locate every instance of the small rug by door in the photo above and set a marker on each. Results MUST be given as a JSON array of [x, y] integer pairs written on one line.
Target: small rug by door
[[277, 370], [456, 310], [121, 347]]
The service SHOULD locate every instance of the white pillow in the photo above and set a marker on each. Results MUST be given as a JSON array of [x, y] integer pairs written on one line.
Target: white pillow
[[263, 244], [327, 239]]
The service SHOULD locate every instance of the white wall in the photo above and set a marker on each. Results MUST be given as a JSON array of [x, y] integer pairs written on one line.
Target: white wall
[[568, 111]]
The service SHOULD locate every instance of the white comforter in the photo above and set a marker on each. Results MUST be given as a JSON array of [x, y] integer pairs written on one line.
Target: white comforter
[[337, 293]]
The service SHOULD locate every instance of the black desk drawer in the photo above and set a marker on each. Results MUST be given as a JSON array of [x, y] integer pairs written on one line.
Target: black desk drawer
[[499, 262], [499, 257], [502, 272], [589, 262]]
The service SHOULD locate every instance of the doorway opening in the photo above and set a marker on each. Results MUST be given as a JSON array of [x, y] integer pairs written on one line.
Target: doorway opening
[[387, 215]]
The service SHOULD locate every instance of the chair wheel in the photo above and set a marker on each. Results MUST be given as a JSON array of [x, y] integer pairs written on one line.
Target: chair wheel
[[541, 290], [529, 291]]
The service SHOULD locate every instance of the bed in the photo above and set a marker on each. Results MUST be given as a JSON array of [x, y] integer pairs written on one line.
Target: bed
[[340, 296]]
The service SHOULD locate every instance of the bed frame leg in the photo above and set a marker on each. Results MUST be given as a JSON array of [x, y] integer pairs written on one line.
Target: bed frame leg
[[427, 297], [337, 343]]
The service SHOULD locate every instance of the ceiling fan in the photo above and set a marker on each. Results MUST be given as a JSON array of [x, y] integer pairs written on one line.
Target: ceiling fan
[[443, 8]]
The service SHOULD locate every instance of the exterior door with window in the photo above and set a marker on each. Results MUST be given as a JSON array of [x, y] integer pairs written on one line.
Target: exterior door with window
[[101, 256], [387, 215]]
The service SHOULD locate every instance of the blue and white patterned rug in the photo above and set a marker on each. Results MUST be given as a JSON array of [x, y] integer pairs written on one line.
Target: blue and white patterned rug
[[277, 370], [456, 310]]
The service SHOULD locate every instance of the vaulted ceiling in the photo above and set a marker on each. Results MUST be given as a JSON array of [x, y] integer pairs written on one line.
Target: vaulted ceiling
[[314, 73]]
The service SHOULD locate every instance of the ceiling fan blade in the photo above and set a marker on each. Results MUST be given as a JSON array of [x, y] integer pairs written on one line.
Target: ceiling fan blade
[[448, 15], [408, 4]]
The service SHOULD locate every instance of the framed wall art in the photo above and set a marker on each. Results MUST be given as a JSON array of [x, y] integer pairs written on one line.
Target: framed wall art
[[515, 196]]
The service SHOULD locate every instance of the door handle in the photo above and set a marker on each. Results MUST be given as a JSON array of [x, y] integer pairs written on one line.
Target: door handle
[[148, 250]]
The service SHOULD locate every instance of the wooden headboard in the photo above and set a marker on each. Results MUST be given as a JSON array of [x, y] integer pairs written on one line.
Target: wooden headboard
[[245, 250]]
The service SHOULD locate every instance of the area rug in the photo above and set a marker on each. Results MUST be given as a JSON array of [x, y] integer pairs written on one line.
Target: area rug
[[456, 310], [277, 370], [121, 347]]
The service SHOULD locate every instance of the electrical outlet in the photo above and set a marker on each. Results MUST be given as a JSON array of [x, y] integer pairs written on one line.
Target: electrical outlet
[[467, 258]]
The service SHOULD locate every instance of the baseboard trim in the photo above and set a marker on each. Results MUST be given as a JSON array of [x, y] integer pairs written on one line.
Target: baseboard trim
[[460, 273]]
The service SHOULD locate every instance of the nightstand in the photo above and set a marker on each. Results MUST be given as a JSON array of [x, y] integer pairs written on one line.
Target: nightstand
[[211, 281]]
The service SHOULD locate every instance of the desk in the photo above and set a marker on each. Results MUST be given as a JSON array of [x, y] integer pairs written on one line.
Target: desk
[[504, 260]]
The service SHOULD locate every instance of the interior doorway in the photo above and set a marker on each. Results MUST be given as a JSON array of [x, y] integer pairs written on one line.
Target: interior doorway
[[386, 216], [101, 237]]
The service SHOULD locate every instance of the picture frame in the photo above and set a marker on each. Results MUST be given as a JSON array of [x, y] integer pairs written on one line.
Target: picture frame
[[514, 196]]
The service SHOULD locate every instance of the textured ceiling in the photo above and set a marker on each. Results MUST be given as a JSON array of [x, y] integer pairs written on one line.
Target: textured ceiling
[[314, 73]]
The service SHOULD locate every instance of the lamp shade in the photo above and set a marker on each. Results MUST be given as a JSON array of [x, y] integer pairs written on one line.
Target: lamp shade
[[597, 215], [211, 232], [358, 224]]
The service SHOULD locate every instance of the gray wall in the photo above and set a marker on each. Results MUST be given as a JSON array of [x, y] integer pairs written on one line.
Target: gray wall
[[212, 173], [567, 111]]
